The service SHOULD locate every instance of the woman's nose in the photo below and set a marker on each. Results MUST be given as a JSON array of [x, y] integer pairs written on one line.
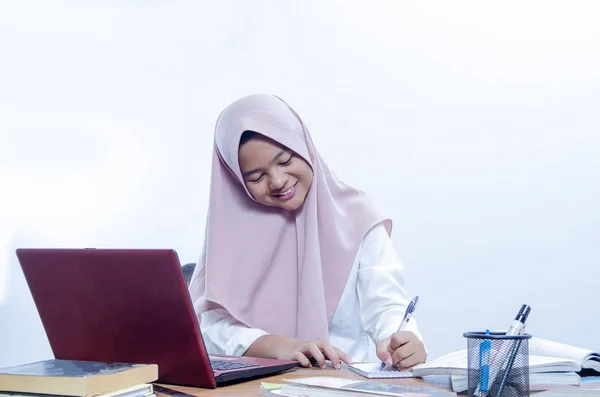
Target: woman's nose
[[278, 180]]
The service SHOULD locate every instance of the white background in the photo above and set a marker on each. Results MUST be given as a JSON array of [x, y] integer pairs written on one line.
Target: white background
[[475, 126]]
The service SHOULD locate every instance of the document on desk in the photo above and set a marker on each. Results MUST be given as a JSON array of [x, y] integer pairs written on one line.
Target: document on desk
[[373, 371]]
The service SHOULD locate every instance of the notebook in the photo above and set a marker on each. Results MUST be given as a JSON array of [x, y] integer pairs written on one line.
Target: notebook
[[371, 370]]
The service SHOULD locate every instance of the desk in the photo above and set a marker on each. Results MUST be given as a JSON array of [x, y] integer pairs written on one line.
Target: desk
[[251, 388]]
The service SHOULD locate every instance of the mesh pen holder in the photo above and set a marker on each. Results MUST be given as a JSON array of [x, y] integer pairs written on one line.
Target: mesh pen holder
[[498, 364]]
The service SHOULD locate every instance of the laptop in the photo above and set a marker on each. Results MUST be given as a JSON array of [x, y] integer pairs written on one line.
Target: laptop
[[129, 305]]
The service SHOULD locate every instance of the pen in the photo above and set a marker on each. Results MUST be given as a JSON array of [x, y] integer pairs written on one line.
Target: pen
[[407, 316], [511, 360]]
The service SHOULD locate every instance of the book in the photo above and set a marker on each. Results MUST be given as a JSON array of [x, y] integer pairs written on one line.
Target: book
[[75, 378], [537, 381], [588, 359], [372, 370], [589, 386], [322, 386], [143, 390], [457, 364], [544, 356]]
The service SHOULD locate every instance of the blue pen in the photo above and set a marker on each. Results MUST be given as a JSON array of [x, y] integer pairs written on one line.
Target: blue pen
[[484, 364]]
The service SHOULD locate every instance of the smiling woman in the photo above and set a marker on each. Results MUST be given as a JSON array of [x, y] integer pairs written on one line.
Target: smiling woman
[[310, 260]]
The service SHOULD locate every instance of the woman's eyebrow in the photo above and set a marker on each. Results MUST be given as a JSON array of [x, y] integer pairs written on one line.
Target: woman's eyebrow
[[281, 153]]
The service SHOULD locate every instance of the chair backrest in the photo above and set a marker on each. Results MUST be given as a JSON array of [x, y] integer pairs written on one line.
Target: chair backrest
[[188, 270]]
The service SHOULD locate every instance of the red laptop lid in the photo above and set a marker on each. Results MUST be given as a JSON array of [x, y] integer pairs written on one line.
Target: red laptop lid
[[116, 305]]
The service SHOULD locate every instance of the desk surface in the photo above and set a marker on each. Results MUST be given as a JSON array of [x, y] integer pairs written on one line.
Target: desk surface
[[251, 388]]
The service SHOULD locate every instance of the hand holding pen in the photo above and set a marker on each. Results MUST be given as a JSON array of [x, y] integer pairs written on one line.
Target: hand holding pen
[[402, 347]]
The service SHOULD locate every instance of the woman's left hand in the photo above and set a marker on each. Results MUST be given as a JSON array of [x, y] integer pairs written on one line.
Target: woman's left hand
[[403, 350]]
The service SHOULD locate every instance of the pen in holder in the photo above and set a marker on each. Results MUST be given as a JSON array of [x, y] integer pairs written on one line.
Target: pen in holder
[[498, 364]]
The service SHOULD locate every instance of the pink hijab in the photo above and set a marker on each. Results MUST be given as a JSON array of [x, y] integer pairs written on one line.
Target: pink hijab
[[281, 271]]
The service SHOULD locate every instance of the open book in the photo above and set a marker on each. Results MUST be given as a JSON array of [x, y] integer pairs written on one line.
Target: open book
[[588, 359], [544, 356]]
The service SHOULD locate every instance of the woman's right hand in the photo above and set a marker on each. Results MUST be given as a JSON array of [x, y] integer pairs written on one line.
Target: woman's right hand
[[318, 351], [303, 351]]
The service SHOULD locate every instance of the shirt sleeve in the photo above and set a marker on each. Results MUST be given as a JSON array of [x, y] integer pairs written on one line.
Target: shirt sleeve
[[381, 290], [223, 334]]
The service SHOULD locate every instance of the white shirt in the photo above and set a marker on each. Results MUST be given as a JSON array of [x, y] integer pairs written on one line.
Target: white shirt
[[370, 309]]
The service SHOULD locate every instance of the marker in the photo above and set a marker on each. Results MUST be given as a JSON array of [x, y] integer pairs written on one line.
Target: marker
[[407, 316], [518, 325]]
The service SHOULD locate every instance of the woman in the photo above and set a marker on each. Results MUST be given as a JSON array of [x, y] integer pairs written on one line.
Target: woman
[[296, 264]]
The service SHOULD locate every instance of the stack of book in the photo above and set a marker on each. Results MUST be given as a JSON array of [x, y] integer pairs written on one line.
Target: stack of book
[[78, 379], [551, 365]]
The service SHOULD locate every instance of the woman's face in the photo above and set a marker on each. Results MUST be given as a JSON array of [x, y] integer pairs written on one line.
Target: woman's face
[[274, 175]]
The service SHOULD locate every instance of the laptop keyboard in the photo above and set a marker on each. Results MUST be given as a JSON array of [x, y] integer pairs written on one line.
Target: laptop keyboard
[[227, 365]]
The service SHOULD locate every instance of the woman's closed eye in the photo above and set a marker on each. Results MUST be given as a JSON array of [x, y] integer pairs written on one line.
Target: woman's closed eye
[[256, 180], [287, 162]]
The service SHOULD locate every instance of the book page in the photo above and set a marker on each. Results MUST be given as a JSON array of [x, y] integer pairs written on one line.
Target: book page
[[543, 347], [550, 363], [457, 359]]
